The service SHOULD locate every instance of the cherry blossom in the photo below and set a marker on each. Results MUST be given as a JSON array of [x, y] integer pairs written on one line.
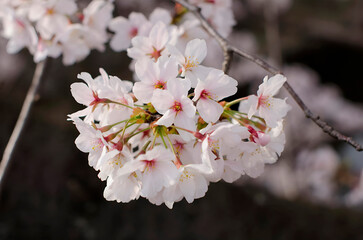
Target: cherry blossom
[[175, 106], [19, 31], [213, 88], [169, 134], [270, 108], [51, 16], [152, 46], [153, 75], [126, 29], [195, 52]]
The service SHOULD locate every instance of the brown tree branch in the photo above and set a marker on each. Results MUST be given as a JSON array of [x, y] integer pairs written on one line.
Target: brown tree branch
[[228, 52], [23, 116]]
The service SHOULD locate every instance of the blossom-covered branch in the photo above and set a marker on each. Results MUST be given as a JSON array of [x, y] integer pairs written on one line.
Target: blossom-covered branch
[[228, 53], [169, 134]]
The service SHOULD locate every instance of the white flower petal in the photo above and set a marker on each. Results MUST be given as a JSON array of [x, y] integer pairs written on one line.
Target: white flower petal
[[209, 110]]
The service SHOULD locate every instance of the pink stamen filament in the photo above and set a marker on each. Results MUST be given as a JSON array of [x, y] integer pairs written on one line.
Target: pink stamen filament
[[133, 32], [262, 101], [205, 94], [156, 53], [149, 164], [177, 107]]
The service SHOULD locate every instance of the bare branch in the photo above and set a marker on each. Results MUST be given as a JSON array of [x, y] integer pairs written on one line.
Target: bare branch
[[24, 113], [229, 49], [228, 56]]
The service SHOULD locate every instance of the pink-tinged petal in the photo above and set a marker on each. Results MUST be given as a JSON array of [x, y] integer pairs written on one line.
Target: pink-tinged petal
[[167, 119], [263, 139], [187, 185], [159, 36], [278, 141], [36, 11], [232, 171], [137, 19], [201, 186], [209, 110], [228, 87], [252, 102], [176, 54], [147, 71], [177, 88], [119, 24], [220, 85], [188, 106], [14, 47], [122, 189], [198, 90], [183, 121], [215, 166], [141, 47], [160, 14], [169, 68], [200, 72], [271, 86], [131, 167], [80, 113], [197, 50], [74, 54], [253, 167], [172, 194], [66, 7], [120, 42], [212, 78], [82, 93], [162, 100], [143, 92], [274, 111], [170, 172], [85, 76], [105, 77], [152, 183]]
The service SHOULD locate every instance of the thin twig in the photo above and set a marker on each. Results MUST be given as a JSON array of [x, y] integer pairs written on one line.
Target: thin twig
[[228, 57], [227, 48], [24, 113]]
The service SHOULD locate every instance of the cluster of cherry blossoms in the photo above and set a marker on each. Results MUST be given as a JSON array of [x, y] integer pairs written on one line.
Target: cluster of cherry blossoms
[[50, 28], [175, 30], [168, 135]]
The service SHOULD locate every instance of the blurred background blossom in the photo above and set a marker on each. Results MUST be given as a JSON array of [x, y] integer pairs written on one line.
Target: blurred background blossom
[[315, 190]]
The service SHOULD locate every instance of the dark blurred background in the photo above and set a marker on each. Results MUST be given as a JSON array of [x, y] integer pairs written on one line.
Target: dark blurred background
[[50, 192]]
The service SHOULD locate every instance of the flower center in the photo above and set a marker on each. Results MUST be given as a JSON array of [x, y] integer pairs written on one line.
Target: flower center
[[97, 145], [178, 146], [159, 85], [50, 11], [186, 175], [263, 101], [156, 53], [190, 63], [205, 94], [117, 161], [149, 164], [133, 32], [177, 107]]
